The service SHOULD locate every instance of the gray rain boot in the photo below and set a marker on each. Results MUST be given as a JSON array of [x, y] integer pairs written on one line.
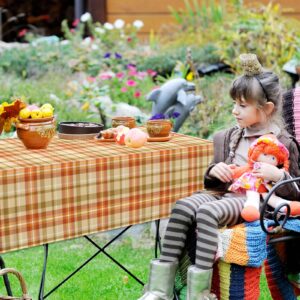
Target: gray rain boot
[[198, 284], [161, 281]]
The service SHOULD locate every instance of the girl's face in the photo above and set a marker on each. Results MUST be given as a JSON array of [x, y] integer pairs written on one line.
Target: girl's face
[[247, 114]]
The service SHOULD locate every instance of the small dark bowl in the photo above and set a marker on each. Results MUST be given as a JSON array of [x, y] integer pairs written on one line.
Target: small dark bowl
[[79, 127]]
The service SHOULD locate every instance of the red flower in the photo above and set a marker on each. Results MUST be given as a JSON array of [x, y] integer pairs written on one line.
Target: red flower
[[137, 94]]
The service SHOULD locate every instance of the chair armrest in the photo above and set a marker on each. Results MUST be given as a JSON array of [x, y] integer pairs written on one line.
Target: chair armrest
[[276, 214]]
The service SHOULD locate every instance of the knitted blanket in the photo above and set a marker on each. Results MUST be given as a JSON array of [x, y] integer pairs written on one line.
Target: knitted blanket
[[244, 245]]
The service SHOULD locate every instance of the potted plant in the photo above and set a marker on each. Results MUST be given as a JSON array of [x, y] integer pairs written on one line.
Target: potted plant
[[160, 125]]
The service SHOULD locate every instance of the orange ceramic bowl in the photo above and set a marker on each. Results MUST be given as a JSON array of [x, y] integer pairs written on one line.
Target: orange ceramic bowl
[[159, 127], [36, 133], [125, 121]]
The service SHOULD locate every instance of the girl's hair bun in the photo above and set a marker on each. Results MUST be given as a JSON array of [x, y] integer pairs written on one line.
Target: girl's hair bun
[[250, 64]]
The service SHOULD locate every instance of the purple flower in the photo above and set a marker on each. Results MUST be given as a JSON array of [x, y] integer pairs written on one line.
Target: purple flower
[[175, 115], [107, 55], [172, 116], [158, 116], [130, 66], [118, 55]]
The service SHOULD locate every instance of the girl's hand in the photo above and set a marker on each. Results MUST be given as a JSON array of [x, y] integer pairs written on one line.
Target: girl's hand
[[268, 172], [222, 171]]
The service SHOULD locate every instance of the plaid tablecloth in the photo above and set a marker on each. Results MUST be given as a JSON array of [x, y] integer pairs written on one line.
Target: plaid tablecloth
[[75, 188]]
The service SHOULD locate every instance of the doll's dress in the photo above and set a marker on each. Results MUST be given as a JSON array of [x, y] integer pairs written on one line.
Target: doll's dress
[[248, 181]]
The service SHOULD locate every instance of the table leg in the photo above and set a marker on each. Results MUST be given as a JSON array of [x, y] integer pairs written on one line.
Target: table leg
[[100, 250], [5, 278], [42, 284], [157, 238]]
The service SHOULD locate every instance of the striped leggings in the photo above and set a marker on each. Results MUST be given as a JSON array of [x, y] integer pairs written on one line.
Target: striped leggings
[[209, 212]]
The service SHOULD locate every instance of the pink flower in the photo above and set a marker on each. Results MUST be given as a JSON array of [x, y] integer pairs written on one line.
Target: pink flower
[[91, 79], [151, 72], [22, 32], [124, 89], [75, 22], [141, 75], [129, 39], [137, 94], [131, 82], [105, 76], [120, 75], [132, 70]]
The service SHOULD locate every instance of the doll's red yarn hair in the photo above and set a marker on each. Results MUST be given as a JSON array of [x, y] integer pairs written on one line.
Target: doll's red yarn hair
[[268, 144]]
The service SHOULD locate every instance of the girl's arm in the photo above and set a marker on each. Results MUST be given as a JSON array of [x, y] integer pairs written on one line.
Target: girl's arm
[[220, 144]]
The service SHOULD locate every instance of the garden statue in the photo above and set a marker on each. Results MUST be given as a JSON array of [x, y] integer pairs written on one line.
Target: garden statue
[[176, 95], [186, 102]]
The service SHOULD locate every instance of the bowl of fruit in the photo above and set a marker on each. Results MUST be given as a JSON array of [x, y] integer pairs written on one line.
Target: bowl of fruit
[[36, 126]]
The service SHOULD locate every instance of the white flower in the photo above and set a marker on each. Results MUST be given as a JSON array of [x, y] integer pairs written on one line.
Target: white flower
[[138, 24], [87, 41], [54, 98], [108, 26], [119, 24], [85, 17], [99, 30], [65, 42]]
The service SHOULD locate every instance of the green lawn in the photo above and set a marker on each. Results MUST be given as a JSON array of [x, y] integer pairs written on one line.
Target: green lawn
[[100, 279]]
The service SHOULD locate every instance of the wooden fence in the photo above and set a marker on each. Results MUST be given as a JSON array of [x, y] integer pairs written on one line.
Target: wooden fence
[[154, 13]]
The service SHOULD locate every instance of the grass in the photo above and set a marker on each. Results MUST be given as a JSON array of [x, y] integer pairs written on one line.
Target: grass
[[101, 279]]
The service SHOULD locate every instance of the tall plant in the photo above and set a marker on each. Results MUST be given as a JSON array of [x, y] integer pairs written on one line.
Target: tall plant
[[261, 30], [199, 16]]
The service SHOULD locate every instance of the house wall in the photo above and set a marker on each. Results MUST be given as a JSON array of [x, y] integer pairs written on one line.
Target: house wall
[[154, 13]]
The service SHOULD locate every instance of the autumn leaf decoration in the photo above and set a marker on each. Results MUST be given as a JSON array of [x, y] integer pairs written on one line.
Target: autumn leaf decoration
[[9, 114]]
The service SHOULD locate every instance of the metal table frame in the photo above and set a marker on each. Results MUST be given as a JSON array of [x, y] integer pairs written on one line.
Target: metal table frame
[[42, 294]]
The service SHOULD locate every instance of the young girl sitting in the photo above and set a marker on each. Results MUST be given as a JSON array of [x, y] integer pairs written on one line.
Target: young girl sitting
[[265, 150], [257, 100]]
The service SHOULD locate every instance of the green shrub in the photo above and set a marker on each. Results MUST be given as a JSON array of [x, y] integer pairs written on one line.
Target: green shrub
[[34, 60], [234, 29], [214, 113], [165, 62]]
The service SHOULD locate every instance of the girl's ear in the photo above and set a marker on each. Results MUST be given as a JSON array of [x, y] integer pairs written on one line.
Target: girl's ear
[[268, 108]]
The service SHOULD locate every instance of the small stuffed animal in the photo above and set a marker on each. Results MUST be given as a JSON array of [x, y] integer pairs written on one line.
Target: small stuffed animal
[[265, 149]]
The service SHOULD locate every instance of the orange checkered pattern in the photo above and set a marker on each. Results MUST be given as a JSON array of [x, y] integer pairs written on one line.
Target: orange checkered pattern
[[77, 187]]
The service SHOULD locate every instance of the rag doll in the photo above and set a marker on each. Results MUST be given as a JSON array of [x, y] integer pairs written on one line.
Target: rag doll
[[265, 149]]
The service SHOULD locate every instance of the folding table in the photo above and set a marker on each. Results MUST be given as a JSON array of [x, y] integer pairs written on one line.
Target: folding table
[[76, 188]]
